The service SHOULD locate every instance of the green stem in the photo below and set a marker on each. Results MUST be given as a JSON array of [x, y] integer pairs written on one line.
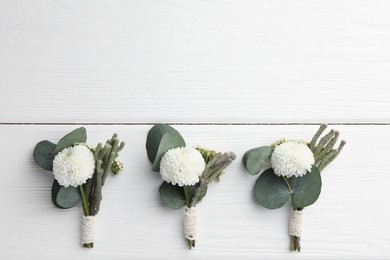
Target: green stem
[[85, 203], [295, 243], [187, 195], [292, 248]]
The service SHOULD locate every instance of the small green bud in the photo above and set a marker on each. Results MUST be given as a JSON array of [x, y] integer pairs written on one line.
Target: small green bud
[[208, 155], [116, 166], [279, 142]]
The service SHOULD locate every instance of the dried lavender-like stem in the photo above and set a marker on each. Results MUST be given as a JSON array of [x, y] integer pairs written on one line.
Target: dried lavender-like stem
[[212, 172], [323, 142], [329, 146], [331, 158], [323, 151], [105, 156], [317, 135]]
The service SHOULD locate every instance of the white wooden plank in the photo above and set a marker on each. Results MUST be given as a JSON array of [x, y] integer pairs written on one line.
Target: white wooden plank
[[194, 61], [349, 221]]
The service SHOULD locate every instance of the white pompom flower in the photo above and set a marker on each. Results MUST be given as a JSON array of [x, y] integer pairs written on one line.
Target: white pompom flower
[[182, 166], [292, 158], [74, 165]]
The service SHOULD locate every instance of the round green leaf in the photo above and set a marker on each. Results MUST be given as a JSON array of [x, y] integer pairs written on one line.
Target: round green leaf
[[64, 198], [160, 139], [168, 141], [257, 160], [271, 191], [172, 195], [306, 189], [154, 138], [43, 154], [78, 135]]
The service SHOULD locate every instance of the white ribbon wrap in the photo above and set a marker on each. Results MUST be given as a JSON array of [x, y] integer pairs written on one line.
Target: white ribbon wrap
[[190, 223], [88, 230], [295, 225]]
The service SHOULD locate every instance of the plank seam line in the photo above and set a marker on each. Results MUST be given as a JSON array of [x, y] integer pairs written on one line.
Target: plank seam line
[[197, 123]]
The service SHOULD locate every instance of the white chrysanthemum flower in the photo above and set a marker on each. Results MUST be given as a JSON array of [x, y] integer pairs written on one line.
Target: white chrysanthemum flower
[[182, 166], [73, 166], [292, 159]]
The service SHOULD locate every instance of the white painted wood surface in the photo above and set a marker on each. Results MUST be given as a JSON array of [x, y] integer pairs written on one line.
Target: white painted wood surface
[[349, 221], [194, 61], [203, 61]]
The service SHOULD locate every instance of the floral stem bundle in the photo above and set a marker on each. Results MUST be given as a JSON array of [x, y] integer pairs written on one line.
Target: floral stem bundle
[[80, 173], [290, 169], [186, 172]]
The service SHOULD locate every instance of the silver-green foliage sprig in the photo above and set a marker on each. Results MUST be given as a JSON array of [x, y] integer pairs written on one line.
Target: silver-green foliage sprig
[[105, 157], [323, 150], [212, 172]]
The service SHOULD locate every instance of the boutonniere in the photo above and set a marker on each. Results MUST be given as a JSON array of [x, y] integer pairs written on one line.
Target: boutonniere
[[290, 170], [186, 172], [80, 172]]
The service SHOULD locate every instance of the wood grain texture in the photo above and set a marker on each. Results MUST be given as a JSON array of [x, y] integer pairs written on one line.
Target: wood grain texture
[[349, 221], [194, 61], [222, 61]]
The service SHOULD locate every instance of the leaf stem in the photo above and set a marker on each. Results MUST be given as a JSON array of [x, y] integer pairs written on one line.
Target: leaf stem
[[288, 184], [85, 203]]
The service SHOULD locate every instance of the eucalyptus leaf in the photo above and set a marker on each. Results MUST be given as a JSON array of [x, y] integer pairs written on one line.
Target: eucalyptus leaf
[[43, 154], [160, 139], [172, 196], [78, 135], [306, 189], [271, 191], [257, 160], [64, 198], [154, 138]]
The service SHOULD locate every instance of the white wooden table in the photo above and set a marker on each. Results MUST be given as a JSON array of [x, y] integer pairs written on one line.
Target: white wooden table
[[229, 75]]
